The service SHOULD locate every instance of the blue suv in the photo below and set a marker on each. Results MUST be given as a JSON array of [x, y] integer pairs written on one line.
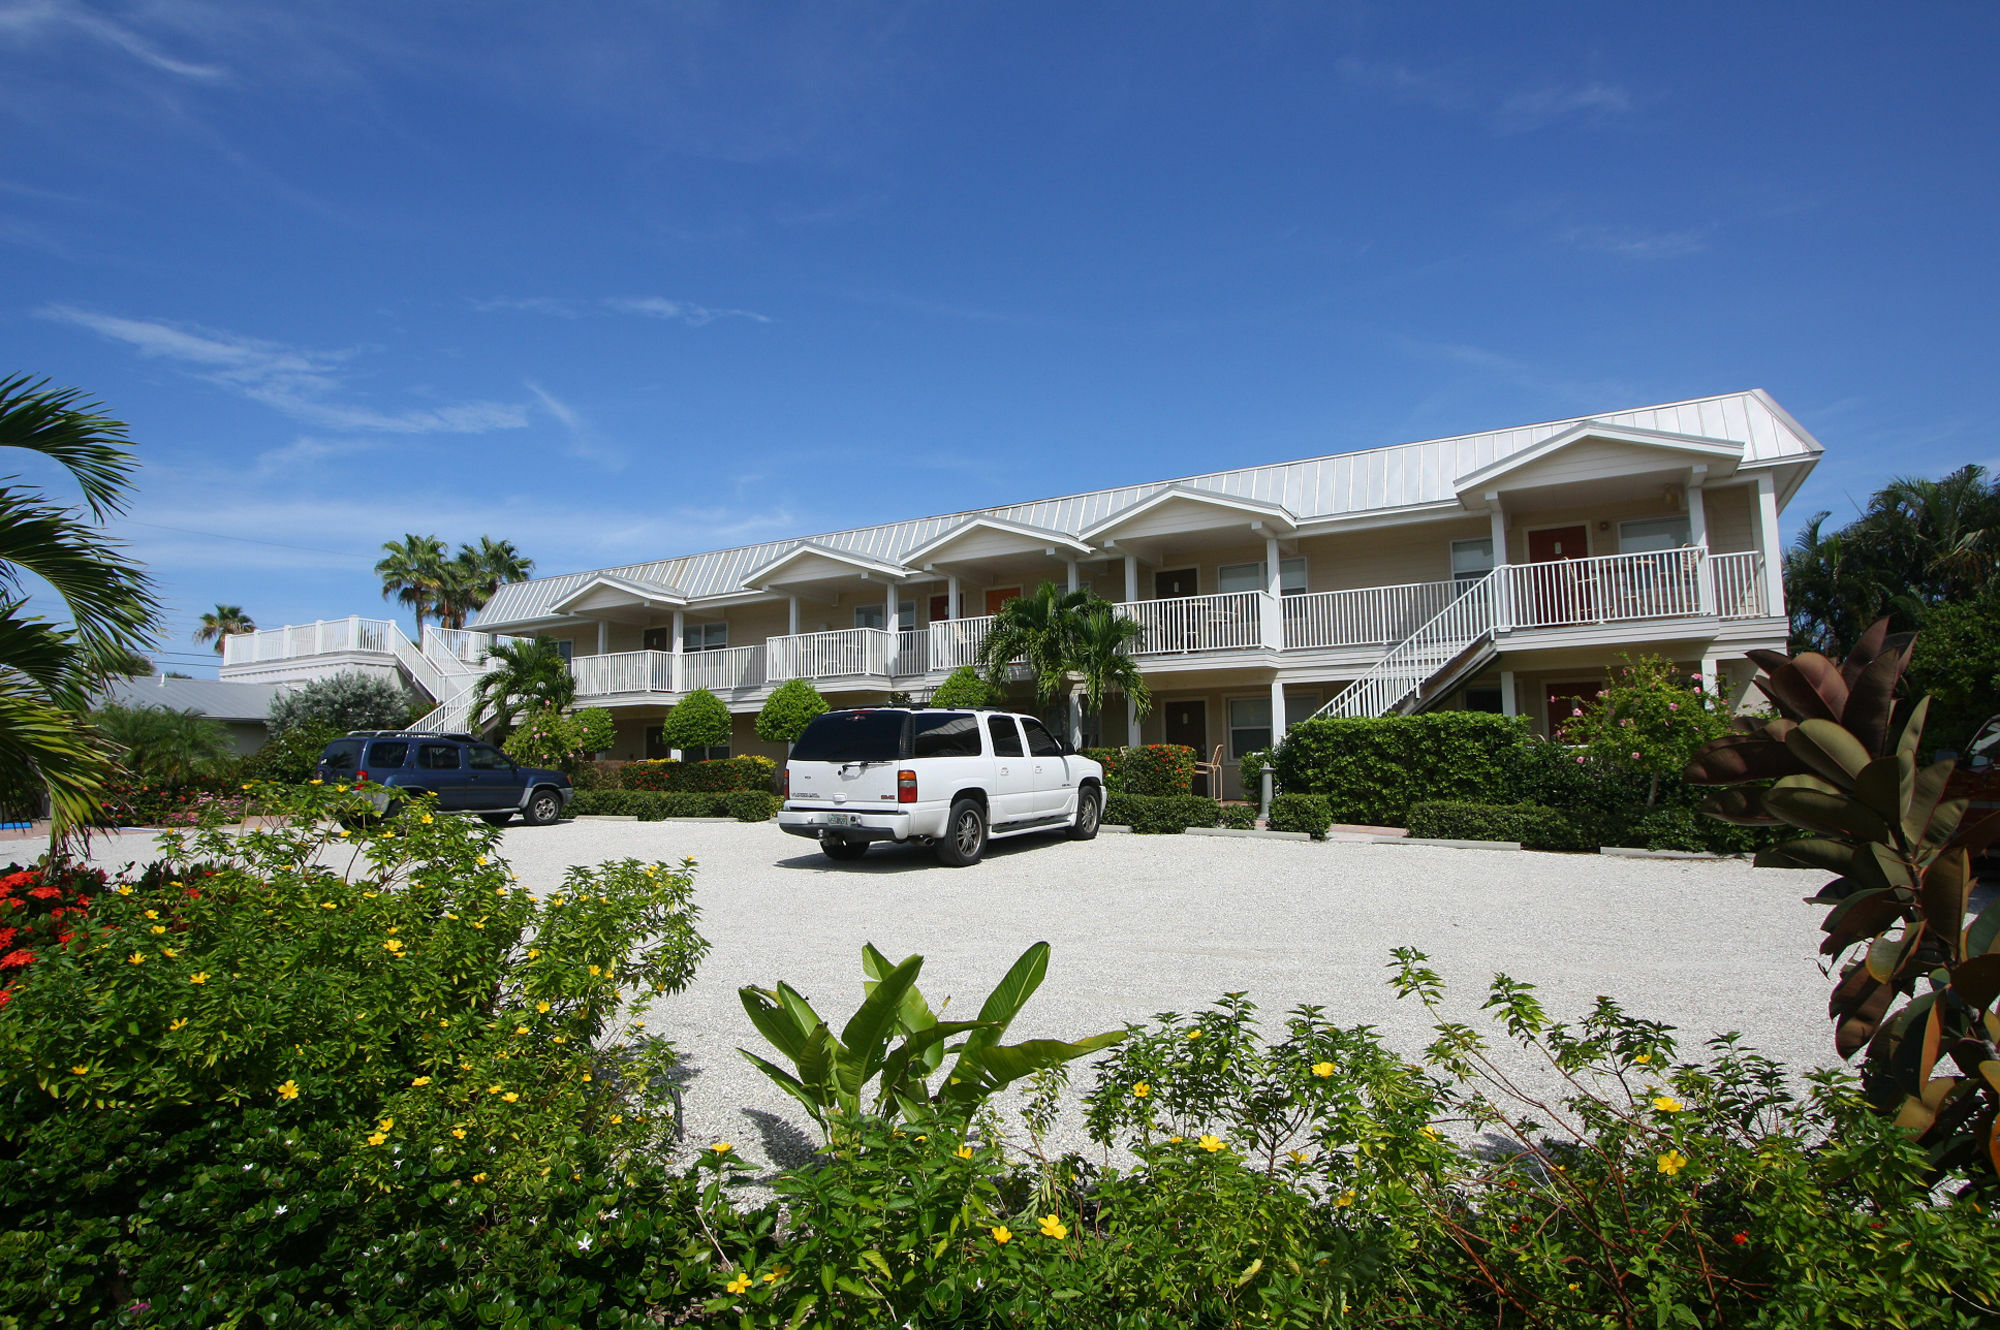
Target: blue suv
[[465, 774]]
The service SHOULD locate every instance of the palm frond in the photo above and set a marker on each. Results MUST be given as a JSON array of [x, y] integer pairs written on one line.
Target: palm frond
[[59, 424], [109, 596]]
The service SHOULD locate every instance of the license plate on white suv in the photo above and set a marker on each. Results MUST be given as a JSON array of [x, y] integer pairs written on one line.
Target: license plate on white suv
[[843, 819]]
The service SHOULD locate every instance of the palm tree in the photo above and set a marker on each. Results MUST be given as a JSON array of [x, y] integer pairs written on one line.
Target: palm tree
[[521, 678], [412, 572], [1103, 657], [164, 746], [47, 671], [226, 621], [474, 574], [1039, 629]]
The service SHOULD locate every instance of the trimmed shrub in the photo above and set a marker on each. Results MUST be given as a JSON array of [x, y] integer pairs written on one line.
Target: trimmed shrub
[[964, 688], [556, 741], [1310, 813], [1243, 817], [723, 775], [699, 721], [655, 805], [1160, 815], [791, 707], [1373, 770], [1534, 826], [651, 774], [348, 701], [1157, 769], [289, 758], [1107, 758], [752, 805]]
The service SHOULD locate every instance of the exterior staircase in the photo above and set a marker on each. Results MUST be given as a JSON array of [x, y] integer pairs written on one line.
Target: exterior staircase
[[448, 666], [1450, 646]]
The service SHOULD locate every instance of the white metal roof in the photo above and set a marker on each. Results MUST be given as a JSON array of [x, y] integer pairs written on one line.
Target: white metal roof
[[222, 699], [1351, 485]]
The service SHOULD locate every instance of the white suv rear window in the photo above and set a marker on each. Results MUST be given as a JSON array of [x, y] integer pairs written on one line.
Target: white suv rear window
[[944, 735]]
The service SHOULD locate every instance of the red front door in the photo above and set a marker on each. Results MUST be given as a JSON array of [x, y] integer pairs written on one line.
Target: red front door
[[1558, 595], [940, 608], [997, 598]]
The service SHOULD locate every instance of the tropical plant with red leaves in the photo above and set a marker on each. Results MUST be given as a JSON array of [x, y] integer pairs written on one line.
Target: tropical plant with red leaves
[[1835, 765]]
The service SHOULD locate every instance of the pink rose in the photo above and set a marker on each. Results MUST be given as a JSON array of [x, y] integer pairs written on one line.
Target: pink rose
[[1579, 759], [1673, 706], [1576, 711], [1635, 757]]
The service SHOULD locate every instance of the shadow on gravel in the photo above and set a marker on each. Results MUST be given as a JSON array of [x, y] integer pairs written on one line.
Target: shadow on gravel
[[887, 859], [784, 1144]]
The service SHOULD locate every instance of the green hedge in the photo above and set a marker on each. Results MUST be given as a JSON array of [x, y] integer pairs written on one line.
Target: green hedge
[[1372, 771], [1159, 770], [1310, 813], [656, 805], [724, 775], [1243, 817], [1534, 826], [1160, 815]]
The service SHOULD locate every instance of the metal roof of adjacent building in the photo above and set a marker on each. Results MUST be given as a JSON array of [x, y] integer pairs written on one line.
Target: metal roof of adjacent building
[[220, 699], [1350, 485]]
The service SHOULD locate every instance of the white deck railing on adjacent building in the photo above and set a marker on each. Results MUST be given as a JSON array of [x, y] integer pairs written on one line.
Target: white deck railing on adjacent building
[[324, 638]]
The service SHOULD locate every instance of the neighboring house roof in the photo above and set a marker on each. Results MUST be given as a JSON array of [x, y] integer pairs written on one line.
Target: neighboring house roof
[[218, 699], [1319, 491]]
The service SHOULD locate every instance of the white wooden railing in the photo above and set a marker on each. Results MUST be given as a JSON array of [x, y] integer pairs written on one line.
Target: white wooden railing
[[722, 671], [1231, 621], [319, 638], [1739, 585], [955, 642], [623, 672], [1666, 584], [1441, 639], [913, 652], [1363, 616], [464, 645], [843, 653]]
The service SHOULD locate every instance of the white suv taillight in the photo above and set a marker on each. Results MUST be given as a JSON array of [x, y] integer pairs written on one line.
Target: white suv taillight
[[785, 783], [906, 787]]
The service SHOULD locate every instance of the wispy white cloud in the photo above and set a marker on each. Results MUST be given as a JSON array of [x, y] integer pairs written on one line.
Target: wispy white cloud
[[1499, 365], [306, 385], [1466, 91], [1637, 244], [306, 451], [37, 17], [651, 307], [583, 441]]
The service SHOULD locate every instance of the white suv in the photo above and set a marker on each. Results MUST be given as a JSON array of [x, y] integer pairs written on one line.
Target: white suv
[[948, 778]]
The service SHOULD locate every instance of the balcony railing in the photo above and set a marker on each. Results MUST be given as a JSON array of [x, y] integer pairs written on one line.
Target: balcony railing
[[325, 637], [462, 644], [1739, 585], [842, 654], [1231, 621], [721, 671], [955, 642], [1614, 588], [1364, 616], [623, 672]]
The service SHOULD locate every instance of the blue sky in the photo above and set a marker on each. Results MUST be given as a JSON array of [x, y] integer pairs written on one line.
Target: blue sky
[[622, 281]]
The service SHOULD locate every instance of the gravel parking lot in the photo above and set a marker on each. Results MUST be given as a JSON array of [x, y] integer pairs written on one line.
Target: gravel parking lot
[[1144, 924]]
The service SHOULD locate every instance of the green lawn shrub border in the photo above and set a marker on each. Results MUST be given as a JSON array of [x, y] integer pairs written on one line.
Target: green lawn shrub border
[[723, 775], [1535, 827], [1373, 770], [1160, 815], [1158, 770], [1310, 813], [658, 805], [1242, 817]]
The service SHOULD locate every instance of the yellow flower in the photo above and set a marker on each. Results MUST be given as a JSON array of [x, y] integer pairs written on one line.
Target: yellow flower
[[376, 1138], [388, 835], [428, 819], [740, 1284], [341, 788], [1210, 1144], [168, 952], [124, 890], [722, 1148], [327, 905], [541, 1006], [479, 1177], [136, 959], [1345, 1198], [1672, 1162], [1002, 1234], [385, 1124], [1194, 1034], [152, 914], [586, 1078], [1666, 1103], [178, 1024], [1429, 1133], [1175, 1140], [493, 1089], [770, 1277], [617, 1118], [344, 834], [421, 1080], [289, 1090], [80, 1071], [198, 977], [1140, 1090], [482, 861], [595, 970], [520, 1029], [1298, 1156], [1643, 1059], [511, 1097], [533, 952], [1322, 1069], [1053, 1227], [963, 1152], [393, 946]]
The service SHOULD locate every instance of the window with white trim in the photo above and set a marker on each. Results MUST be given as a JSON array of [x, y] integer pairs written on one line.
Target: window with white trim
[[1250, 577], [1249, 726], [1471, 559], [871, 616], [704, 636], [1646, 535]]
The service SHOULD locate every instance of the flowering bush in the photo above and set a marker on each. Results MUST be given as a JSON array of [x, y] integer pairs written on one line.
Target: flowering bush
[[721, 775], [1650, 719], [561, 741], [1157, 769], [332, 1070], [39, 909], [132, 802]]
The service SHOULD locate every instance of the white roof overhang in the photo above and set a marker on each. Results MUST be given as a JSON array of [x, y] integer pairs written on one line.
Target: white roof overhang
[[606, 596], [1595, 458], [1180, 517], [982, 543], [809, 565]]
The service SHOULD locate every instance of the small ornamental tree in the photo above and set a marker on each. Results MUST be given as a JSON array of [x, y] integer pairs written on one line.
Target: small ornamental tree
[[700, 721], [1651, 720], [552, 739], [964, 688], [349, 701], [791, 707]]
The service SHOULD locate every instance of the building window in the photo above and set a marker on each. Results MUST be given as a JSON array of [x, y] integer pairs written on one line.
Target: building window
[[712, 753], [1484, 699], [564, 648], [1648, 535], [1249, 726], [704, 636], [1300, 706], [1250, 577], [871, 616], [1471, 559]]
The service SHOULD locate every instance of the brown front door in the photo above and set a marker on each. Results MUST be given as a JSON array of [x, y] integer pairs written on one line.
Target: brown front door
[[1170, 586], [1187, 723], [940, 608], [997, 598], [1566, 700], [1558, 595]]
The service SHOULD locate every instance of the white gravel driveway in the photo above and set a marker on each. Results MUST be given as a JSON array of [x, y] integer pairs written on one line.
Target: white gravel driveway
[[1143, 924]]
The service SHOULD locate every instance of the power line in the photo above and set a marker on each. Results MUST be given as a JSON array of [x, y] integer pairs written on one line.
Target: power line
[[247, 540]]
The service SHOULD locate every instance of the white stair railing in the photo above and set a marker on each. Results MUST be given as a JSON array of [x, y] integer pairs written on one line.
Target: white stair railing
[[1405, 667]]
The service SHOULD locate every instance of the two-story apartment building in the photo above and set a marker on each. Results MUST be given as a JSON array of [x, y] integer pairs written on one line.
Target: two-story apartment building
[[1503, 571]]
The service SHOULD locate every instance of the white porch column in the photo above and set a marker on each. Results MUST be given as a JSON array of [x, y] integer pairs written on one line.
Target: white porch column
[[1131, 723], [792, 615], [1273, 623], [1503, 608], [677, 647], [1132, 581], [1251, 778], [1710, 676], [889, 608], [1704, 571], [1769, 542], [603, 636], [1073, 583], [951, 598], [1697, 514], [1510, 703]]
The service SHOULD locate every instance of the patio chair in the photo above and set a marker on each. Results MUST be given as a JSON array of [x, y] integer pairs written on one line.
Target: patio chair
[[1211, 771]]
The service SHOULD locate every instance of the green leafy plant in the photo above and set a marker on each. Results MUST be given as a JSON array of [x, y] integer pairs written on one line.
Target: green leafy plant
[[1310, 813], [165, 747], [347, 701], [559, 740], [1160, 815], [832, 1075], [791, 707], [964, 688], [1372, 770], [1157, 769], [521, 678], [722, 775], [699, 720], [1651, 719], [1531, 825], [1834, 765], [291, 757], [1242, 817]]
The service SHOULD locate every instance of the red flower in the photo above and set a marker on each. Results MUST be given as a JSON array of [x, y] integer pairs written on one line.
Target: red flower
[[6, 995], [1739, 1238], [45, 892], [7, 937], [16, 958]]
